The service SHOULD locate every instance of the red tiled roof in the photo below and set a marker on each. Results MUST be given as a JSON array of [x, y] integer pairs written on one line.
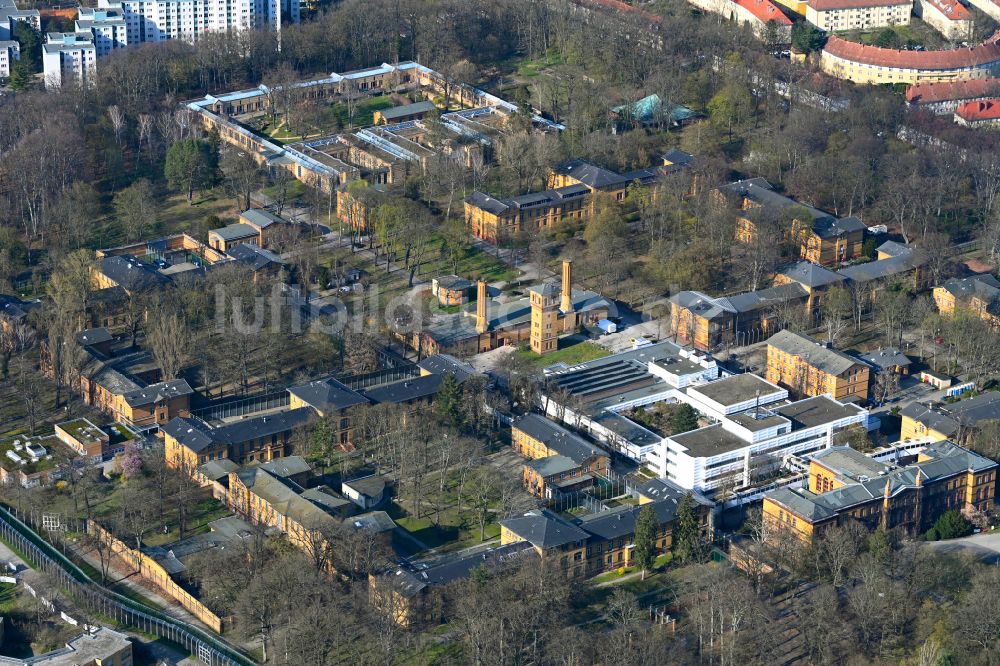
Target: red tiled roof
[[951, 9], [928, 93], [975, 56], [619, 6], [764, 10], [986, 109], [827, 5]]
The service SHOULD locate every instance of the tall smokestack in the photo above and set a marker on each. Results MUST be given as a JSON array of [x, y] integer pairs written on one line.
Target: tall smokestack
[[482, 323], [567, 287]]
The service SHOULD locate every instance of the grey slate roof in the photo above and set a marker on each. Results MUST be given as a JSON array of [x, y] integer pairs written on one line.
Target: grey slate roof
[[13, 308], [487, 203], [155, 393], [826, 359], [544, 529], [132, 274], [287, 466], [407, 110], [412, 578], [887, 358], [256, 258], [947, 460], [406, 390], [810, 274], [589, 174], [557, 438], [262, 218], [902, 262], [370, 486], [985, 286], [440, 364], [850, 463], [93, 336], [235, 232], [763, 298], [551, 465], [218, 469], [376, 521], [327, 394], [197, 435]]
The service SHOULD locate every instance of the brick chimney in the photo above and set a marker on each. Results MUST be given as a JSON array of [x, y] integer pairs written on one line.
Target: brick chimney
[[567, 287], [482, 323]]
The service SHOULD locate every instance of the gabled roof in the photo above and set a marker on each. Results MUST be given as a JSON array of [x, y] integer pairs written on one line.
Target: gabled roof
[[262, 218], [589, 174], [551, 465], [13, 308], [441, 364], [93, 336], [826, 359], [256, 258], [810, 274], [557, 438], [287, 466], [327, 394], [887, 358], [407, 110], [132, 274], [156, 393], [977, 56], [235, 232], [370, 486], [544, 529]]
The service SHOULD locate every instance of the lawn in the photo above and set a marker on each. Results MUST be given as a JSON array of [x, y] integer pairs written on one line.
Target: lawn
[[570, 352], [531, 67], [454, 531], [364, 111]]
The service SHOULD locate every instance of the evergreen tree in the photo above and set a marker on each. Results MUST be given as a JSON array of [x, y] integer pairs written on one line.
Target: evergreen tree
[[30, 43], [448, 403], [20, 77], [685, 418], [191, 164], [646, 527], [687, 540]]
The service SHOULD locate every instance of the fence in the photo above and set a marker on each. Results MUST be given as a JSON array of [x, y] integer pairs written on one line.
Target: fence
[[150, 570], [231, 408], [111, 605]]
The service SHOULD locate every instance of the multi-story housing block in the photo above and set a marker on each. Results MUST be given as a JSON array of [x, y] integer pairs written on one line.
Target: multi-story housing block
[[836, 15], [10, 52], [949, 17], [69, 59], [188, 20], [10, 15], [107, 26]]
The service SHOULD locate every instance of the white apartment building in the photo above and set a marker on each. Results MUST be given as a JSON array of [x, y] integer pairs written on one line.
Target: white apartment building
[[949, 17], [10, 15], [188, 20], [107, 26], [835, 15], [9, 53], [68, 58]]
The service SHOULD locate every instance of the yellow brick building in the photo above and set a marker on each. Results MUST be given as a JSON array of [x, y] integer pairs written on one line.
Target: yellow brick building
[[809, 368], [844, 484]]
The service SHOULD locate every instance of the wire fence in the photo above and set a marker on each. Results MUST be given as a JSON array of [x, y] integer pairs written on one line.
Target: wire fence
[[111, 605]]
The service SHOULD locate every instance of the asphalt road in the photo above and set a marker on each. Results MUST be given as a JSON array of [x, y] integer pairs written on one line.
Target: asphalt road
[[985, 546]]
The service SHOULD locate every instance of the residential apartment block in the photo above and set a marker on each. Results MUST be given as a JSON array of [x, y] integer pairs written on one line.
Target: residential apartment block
[[845, 485], [10, 53], [836, 15], [945, 98], [949, 17], [188, 20], [69, 59], [10, 15], [107, 26], [984, 112], [875, 65], [811, 368]]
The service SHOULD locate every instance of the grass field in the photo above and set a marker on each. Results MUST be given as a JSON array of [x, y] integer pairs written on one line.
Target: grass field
[[364, 111], [573, 352]]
